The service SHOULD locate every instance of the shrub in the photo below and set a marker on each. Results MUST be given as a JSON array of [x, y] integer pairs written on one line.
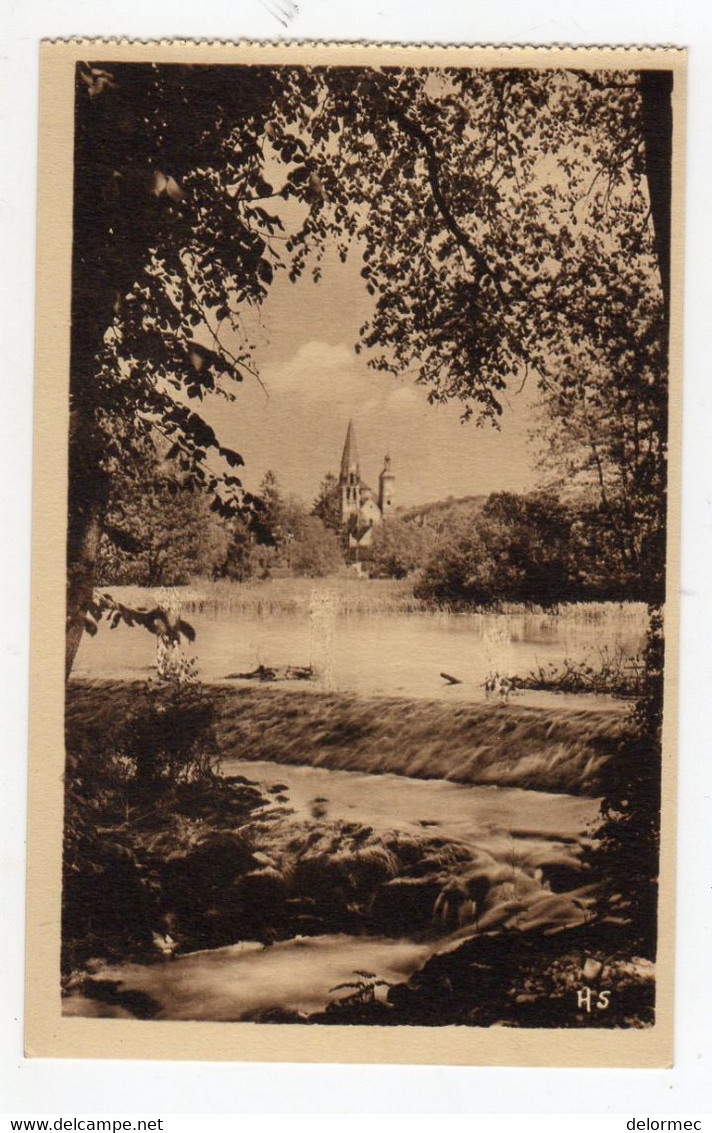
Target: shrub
[[123, 772], [528, 548], [169, 734], [400, 547]]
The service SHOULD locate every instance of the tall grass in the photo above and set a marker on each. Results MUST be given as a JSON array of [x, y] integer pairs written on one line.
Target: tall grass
[[349, 593], [587, 612], [507, 745]]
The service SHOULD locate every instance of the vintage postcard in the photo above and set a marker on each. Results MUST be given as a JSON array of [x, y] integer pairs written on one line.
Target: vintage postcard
[[355, 553]]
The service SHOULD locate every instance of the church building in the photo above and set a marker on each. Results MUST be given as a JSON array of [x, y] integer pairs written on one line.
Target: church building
[[361, 510]]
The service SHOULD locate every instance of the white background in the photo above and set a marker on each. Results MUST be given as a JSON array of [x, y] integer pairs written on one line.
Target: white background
[[59, 1087]]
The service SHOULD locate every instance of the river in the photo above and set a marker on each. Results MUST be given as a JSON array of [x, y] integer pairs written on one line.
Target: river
[[402, 655]]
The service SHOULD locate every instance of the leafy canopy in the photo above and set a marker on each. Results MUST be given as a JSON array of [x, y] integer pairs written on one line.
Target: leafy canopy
[[503, 220]]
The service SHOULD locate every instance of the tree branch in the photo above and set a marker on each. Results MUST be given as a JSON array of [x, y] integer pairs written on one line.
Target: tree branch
[[414, 130]]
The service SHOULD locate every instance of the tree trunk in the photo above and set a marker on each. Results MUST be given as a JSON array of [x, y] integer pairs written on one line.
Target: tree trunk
[[80, 585], [88, 496], [656, 95]]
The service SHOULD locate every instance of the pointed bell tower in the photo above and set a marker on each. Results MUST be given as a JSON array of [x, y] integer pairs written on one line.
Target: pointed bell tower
[[350, 477]]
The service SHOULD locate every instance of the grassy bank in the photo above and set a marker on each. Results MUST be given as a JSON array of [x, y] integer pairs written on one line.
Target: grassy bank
[[504, 744]]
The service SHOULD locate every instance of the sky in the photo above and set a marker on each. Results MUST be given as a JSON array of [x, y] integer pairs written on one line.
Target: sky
[[313, 383]]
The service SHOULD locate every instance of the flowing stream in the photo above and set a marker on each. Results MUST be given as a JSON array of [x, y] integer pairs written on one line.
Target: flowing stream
[[300, 975]]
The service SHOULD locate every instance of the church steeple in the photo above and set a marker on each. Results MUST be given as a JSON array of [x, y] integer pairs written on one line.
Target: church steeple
[[361, 508], [349, 459], [350, 478]]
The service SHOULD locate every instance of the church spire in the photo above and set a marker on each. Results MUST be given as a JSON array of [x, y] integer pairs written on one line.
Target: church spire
[[349, 460], [350, 479]]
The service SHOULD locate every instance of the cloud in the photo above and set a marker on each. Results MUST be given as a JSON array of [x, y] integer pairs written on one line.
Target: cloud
[[332, 374], [317, 371]]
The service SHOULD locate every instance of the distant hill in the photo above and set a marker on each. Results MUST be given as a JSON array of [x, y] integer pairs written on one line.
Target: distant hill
[[442, 513]]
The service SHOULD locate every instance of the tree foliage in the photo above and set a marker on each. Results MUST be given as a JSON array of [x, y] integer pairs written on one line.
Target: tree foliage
[[173, 239], [498, 191], [159, 530], [521, 548], [310, 549], [293, 539], [327, 505], [515, 224]]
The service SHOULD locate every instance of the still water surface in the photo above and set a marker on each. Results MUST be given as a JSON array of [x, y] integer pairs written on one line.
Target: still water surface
[[377, 654]]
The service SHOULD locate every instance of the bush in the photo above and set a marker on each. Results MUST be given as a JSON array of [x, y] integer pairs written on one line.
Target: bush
[[168, 535], [400, 547], [614, 673], [150, 829], [531, 549], [459, 571], [169, 734], [313, 551]]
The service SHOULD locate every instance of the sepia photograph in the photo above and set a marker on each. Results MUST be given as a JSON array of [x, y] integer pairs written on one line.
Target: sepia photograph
[[364, 379]]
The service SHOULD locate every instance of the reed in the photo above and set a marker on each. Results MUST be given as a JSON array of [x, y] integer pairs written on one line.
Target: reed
[[351, 594], [348, 594], [610, 671]]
